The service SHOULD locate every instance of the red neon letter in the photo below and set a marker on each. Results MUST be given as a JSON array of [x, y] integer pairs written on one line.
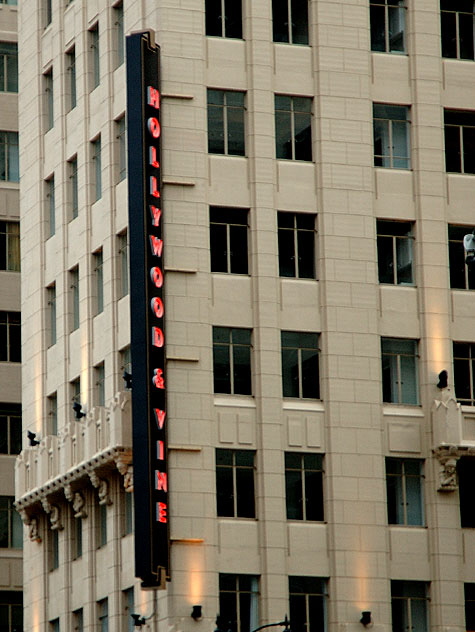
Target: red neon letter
[[154, 187], [161, 512], [157, 276], [157, 306], [157, 379], [153, 97], [152, 155], [156, 214], [158, 338], [160, 450], [161, 479], [157, 245], [159, 417], [153, 126]]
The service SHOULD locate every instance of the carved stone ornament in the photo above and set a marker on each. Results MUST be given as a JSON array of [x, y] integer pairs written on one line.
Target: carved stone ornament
[[55, 518], [126, 468], [32, 524], [68, 493], [79, 505], [103, 493], [448, 475], [95, 480]]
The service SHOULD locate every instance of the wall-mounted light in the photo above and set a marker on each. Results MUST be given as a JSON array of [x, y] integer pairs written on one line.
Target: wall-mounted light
[[139, 621], [78, 410], [443, 379], [366, 618], [127, 377], [32, 438], [196, 613]]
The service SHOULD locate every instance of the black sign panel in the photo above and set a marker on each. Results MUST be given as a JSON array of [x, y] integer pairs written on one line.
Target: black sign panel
[[149, 416]]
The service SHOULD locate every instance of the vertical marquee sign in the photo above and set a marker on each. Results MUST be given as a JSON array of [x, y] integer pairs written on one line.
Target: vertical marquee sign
[[147, 311]]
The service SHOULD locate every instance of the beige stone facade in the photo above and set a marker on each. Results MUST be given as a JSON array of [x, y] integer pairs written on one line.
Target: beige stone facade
[[82, 470], [10, 372]]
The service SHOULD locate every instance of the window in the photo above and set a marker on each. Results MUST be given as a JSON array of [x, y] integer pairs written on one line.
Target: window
[[300, 366], [462, 277], [11, 526], [128, 517], [296, 235], [10, 339], [404, 479], [76, 536], [469, 590], [103, 615], [228, 240], [75, 390], [307, 600], [53, 549], [238, 602], [119, 33], [224, 18], [54, 626], [293, 131], [98, 269], [74, 298], [96, 169], [50, 206], [459, 129], [123, 252], [11, 2], [71, 75], [52, 407], [10, 429], [391, 136], [304, 486], [290, 21], [235, 483], [101, 525], [51, 303], [94, 55], [8, 67], [409, 606], [99, 383], [128, 608], [395, 252], [48, 12], [9, 163], [466, 480], [48, 99], [399, 367], [78, 621], [232, 360], [456, 21], [10, 246], [226, 122], [121, 149], [387, 19], [73, 186], [11, 607], [464, 373]]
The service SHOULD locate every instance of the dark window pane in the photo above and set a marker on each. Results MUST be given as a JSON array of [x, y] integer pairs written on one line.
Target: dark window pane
[[290, 374], [215, 129], [218, 245], [314, 495], [452, 149], [469, 149], [299, 9], [242, 370], [283, 138], [213, 17], [466, 475], [235, 131], [385, 259], [449, 34], [303, 137], [310, 374], [238, 246], [224, 491], [466, 35], [222, 373], [306, 256], [233, 19], [245, 493], [378, 41], [293, 490], [280, 19], [286, 253]]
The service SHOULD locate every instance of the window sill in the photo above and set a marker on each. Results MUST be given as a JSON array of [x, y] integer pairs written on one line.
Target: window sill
[[301, 404], [240, 401], [403, 410]]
